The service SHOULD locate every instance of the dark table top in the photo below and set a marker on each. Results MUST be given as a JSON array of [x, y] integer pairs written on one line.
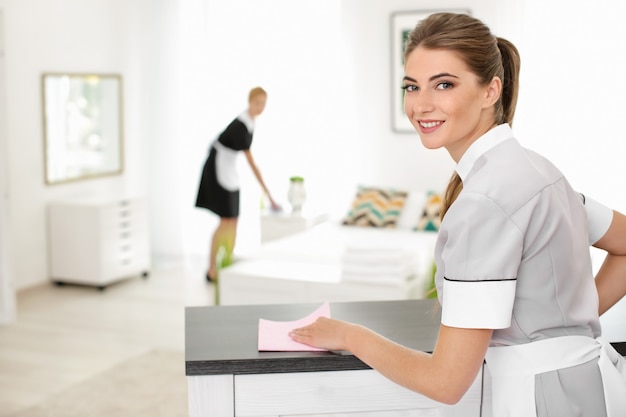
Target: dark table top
[[223, 339]]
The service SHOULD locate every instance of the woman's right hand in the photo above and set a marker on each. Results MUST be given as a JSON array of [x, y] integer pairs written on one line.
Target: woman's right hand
[[325, 333], [275, 206]]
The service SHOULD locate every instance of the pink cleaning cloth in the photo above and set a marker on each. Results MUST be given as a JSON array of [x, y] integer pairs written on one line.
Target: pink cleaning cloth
[[274, 335]]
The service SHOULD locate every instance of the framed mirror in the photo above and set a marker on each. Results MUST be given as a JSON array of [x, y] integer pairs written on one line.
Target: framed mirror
[[82, 124]]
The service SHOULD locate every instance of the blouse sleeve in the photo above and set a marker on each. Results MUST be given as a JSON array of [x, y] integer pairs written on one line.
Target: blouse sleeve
[[480, 260], [599, 219]]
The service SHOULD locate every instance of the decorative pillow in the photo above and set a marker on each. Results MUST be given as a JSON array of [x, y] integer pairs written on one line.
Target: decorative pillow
[[412, 210], [430, 219], [376, 207]]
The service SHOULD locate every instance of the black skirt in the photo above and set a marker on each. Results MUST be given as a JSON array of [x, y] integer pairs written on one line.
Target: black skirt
[[212, 196]]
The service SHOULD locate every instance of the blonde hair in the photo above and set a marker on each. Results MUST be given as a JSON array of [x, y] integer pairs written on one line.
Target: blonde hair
[[256, 91], [485, 55]]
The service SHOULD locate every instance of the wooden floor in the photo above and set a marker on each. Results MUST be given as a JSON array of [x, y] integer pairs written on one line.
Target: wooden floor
[[65, 335]]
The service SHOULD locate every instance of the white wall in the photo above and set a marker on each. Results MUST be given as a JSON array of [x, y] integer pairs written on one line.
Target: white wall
[[571, 108], [7, 292], [48, 36], [327, 71], [298, 56], [187, 67]]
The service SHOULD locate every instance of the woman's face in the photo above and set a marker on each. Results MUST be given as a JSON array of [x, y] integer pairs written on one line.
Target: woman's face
[[445, 102], [257, 105]]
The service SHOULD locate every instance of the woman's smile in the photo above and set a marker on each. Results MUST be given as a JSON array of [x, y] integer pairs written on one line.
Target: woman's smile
[[427, 126]]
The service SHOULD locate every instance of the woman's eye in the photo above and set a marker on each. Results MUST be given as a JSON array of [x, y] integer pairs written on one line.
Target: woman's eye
[[444, 86], [410, 88]]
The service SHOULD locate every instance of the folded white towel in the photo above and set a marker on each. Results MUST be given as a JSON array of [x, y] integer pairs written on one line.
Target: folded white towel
[[369, 247], [398, 257], [393, 269], [391, 279]]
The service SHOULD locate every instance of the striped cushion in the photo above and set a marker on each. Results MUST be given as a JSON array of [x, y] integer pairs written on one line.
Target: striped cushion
[[430, 219], [376, 207]]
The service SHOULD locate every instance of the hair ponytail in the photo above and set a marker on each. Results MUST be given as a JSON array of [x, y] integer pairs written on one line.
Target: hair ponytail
[[455, 186], [510, 84]]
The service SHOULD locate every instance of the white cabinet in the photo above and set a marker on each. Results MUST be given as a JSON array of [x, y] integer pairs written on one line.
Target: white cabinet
[[98, 241], [356, 393]]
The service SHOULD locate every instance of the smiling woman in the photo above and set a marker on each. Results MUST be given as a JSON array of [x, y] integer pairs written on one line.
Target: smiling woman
[[513, 269]]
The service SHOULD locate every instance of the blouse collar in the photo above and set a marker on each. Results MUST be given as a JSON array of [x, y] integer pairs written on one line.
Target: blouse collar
[[247, 120], [482, 145]]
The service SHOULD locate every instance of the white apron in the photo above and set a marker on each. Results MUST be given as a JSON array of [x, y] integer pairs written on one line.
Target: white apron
[[226, 167], [513, 370]]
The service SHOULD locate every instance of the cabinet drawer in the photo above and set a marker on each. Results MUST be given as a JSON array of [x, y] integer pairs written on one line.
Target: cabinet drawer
[[122, 216], [114, 239], [319, 393], [123, 249]]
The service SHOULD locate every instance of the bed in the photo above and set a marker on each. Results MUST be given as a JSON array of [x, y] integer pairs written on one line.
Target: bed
[[381, 250]]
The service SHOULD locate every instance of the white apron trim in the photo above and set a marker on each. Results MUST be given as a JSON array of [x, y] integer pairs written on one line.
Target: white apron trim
[[226, 167], [513, 370]]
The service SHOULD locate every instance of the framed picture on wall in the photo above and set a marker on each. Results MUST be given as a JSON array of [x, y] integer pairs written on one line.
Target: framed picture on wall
[[402, 23]]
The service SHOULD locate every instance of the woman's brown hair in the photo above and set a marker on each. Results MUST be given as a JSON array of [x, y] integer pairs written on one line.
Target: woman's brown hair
[[485, 55]]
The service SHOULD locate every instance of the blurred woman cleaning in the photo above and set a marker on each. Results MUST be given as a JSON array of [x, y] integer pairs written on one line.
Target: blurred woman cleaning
[[219, 184]]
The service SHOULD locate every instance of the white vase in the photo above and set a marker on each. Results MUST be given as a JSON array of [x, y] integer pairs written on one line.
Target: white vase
[[296, 195]]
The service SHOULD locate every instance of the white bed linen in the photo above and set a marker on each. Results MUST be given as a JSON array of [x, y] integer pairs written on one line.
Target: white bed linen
[[328, 241], [364, 254]]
